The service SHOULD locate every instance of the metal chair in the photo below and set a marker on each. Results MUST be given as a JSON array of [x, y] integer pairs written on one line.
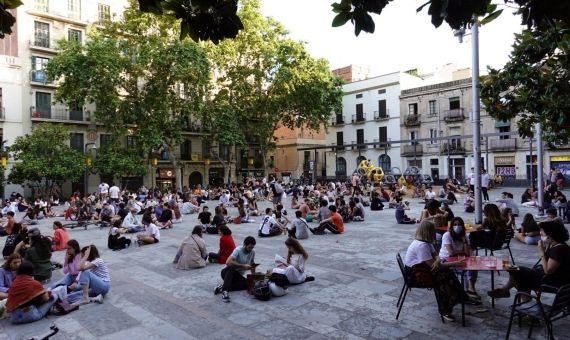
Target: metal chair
[[536, 310], [498, 245], [408, 285]]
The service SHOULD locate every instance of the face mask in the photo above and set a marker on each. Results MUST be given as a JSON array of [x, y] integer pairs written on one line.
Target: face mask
[[457, 229], [544, 239]]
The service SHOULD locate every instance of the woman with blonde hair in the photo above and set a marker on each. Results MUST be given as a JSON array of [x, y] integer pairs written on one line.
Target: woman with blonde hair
[[425, 268], [294, 268]]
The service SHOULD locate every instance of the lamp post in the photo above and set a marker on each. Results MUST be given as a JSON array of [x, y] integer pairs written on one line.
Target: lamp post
[[4, 163], [206, 163], [88, 163]]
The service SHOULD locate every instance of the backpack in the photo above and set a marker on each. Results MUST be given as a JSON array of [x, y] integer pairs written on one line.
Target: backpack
[[277, 188], [261, 290]]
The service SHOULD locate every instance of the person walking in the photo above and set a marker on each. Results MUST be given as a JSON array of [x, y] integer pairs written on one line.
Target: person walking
[[485, 185]]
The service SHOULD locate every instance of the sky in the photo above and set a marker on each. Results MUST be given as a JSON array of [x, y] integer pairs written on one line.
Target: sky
[[403, 39]]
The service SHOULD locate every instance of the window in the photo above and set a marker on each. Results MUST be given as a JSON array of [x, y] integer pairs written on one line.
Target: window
[[104, 139], [341, 166], [130, 142], [41, 5], [339, 119], [360, 136], [432, 107], [224, 151], [41, 34], [434, 161], [359, 96], [104, 13], [1, 106], [433, 136], [413, 109], [384, 162], [413, 136], [186, 150], [454, 103], [74, 9], [43, 105], [383, 134], [415, 162], [339, 138], [382, 108], [74, 35], [382, 91], [504, 129], [76, 141], [75, 111], [38, 69]]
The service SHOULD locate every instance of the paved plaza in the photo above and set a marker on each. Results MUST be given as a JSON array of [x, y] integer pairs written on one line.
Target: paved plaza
[[353, 297]]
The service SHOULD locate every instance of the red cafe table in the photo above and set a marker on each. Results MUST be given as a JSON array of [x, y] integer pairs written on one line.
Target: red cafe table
[[480, 264]]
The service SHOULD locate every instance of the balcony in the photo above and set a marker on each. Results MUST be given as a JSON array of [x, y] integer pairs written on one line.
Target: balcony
[[338, 120], [410, 150], [39, 77], [193, 128], [381, 115], [339, 146], [454, 115], [502, 123], [454, 148], [381, 144], [359, 145], [59, 114], [412, 120], [43, 44], [503, 144], [359, 118], [191, 156]]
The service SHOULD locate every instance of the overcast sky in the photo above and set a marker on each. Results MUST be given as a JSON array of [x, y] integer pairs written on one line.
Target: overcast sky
[[402, 40]]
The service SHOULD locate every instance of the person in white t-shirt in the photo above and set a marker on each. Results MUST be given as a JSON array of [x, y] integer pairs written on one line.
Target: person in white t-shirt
[[430, 195], [470, 180], [424, 267], [151, 234], [269, 226], [485, 184], [103, 190]]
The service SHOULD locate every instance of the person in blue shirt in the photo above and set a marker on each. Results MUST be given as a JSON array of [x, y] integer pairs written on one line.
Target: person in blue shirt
[[240, 261]]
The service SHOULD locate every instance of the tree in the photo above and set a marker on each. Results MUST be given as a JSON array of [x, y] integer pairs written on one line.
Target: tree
[[143, 80], [44, 158], [6, 18], [263, 79], [116, 161]]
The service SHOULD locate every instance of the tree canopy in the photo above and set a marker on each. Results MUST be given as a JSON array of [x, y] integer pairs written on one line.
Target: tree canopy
[[44, 158]]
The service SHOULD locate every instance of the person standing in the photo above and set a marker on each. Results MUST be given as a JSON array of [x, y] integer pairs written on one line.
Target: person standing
[[470, 180], [240, 261], [103, 190], [114, 193], [485, 185]]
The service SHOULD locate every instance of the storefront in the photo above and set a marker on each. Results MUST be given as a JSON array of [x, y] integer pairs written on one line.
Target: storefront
[[561, 163], [216, 177], [166, 179], [505, 167]]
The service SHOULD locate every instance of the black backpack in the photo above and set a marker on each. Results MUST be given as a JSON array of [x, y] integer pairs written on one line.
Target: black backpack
[[261, 290]]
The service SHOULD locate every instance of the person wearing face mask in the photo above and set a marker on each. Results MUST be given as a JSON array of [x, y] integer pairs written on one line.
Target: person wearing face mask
[[454, 243], [554, 255]]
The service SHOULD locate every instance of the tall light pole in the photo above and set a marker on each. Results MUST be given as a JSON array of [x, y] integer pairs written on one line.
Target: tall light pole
[[476, 114], [88, 161], [540, 170]]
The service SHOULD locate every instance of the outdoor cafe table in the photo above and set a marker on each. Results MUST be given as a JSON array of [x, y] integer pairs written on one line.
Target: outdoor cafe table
[[478, 264]]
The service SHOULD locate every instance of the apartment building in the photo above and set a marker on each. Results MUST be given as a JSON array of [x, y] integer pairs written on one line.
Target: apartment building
[[26, 98], [369, 121]]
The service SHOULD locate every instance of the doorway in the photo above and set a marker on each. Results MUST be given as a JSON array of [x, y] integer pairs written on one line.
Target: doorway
[[194, 179]]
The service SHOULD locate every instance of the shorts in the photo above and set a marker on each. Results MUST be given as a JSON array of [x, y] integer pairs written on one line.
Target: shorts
[[277, 199]]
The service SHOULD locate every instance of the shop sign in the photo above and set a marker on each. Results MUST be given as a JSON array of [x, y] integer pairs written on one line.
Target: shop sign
[[166, 173], [560, 158], [506, 171], [510, 160]]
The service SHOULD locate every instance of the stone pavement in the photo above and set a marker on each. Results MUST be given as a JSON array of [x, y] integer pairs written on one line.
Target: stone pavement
[[353, 297]]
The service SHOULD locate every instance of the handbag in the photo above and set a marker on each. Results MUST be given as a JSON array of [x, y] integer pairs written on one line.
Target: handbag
[[252, 279]]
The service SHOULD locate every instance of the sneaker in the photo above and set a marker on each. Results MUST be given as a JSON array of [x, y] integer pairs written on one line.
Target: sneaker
[[81, 302], [225, 296], [499, 293], [473, 302], [473, 295], [218, 290], [309, 278], [98, 299], [448, 317]]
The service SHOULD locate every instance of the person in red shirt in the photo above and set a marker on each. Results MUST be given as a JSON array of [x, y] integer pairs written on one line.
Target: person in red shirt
[[60, 237], [227, 246], [333, 223]]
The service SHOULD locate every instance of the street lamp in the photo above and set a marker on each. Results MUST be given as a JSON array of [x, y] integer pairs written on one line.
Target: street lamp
[[88, 162], [476, 119]]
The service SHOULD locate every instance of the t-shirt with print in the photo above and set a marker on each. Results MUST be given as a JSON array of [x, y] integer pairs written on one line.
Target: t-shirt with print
[[267, 224], [241, 256], [418, 252], [100, 269], [456, 245]]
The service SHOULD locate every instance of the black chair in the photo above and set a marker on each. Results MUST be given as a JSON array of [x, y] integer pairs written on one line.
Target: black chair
[[536, 310], [500, 242], [408, 285]]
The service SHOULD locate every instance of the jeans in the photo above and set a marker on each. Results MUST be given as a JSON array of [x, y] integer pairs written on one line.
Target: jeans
[[485, 193], [31, 313], [64, 281], [233, 280], [95, 283]]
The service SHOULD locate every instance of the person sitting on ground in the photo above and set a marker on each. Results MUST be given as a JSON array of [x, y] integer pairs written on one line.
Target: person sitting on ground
[[115, 241], [165, 219], [7, 227], [30, 218], [94, 281], [227, 246], [36, 249], [192, 252], [359, 205], [299, 228], [106, 214], [294, 269], [295, 202], [189, 208], [241, 260], [205, 218], [269, 226], [280, 215], [123, 211], [334, 223], [177, 215], [306, 210], [70, 266], [376, 203], [60, 237], [401, 216], [552, 215], [433, 213], [8, 273], [243, 216], [27, 301], [429, 195], [217, 221], [425, 268], [445, 208], [507, 201], [455, 243], [355, 214], [529, 232], [324, 212], [469, 202], [19, 234], [526, 196], [508, 216], [130, 223], [554, 271], [151, 234]]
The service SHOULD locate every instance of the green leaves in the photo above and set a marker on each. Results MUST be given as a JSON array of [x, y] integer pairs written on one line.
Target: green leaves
[[493, 14], [7, 20], [357, 12]]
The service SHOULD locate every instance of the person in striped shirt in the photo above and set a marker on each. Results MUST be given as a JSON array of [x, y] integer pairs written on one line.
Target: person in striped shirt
[[94, 281]]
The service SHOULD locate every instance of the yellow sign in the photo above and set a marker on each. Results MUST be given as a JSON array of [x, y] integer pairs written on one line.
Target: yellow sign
[[505, 160], [560, 158], [195, 157]]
